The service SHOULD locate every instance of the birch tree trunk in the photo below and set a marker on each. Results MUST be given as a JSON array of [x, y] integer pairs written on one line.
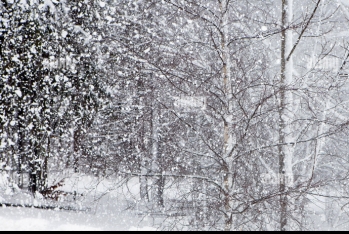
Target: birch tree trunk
[[285, 147], [227, 137]]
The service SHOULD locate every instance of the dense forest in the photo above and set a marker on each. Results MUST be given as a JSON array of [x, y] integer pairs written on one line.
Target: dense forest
[[225, 114]]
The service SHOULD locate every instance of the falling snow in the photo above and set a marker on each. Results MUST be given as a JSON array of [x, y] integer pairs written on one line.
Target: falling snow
[[174, 115]]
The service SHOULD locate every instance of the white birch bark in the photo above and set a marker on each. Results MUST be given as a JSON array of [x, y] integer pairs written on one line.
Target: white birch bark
[[286, 103], [289, 115], [228, 138]]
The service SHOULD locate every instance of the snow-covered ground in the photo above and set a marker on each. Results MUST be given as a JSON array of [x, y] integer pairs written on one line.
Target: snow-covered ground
[[107, 204], [31, 219], [103, 201]]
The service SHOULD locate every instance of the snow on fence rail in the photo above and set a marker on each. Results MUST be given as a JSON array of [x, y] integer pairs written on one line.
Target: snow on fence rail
[[45, 207]]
